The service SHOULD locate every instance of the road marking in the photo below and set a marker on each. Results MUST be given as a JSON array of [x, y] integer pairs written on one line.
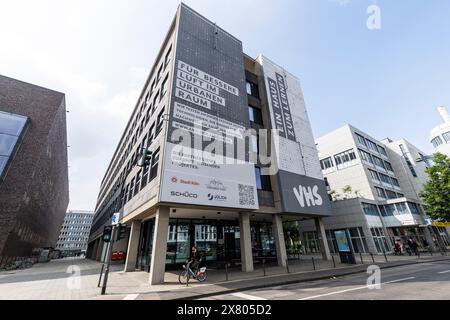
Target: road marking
[[246, 296], [131, 297], [442, 272], [353, 289]]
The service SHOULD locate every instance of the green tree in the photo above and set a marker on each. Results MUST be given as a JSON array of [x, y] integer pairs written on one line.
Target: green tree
[[436, 193]]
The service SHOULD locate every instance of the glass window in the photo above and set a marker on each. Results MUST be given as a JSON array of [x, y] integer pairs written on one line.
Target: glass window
[[384, 178], [7, 144], [361, 139], [370, 209], [401, 208], [164, 86], [255, 115], [380, 192], [154, 168], [374, 175], [388, 166], [446, 136], [365, 156], [391, 194], [382, 150], [344, 157], [262, 182], [395, 182], [160, 71], [11, 124], [437, 142], [168, 56], [160, 121], [252, 89], [372, 146], [378, 162], [326, 163]]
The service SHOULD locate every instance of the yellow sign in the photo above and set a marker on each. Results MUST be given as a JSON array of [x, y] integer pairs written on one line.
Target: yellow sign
[[441, 224]]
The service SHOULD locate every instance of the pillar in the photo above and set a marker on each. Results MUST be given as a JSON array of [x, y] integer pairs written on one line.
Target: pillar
[[246, 242], [158, 260], [278, 233], [93, 255], [133, 246], [322, 236]]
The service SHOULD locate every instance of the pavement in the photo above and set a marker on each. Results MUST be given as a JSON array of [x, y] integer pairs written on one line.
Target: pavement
[[77, 279], [425, 281]]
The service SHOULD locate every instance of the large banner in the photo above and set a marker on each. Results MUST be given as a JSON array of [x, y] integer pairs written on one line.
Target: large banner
[[207, 119], [300, 179]]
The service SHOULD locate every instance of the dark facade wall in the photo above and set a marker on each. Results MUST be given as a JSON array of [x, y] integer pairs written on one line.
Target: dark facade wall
[[34, 194]]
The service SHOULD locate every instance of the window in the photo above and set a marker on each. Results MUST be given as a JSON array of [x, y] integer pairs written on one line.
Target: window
[[415, 208], [388, 166], [155, 100], [168, 57], [160, 71], [378, 162], [152, 87], [365, 156], [255, 115], [164, 86], [151, 135], [154, 167], [137, 188], [262, 182], [401, 208], [391, 194], [436, 142], [384, 178], [344, 157], [252, 89], [374, 175], [394, 182], [326, 163], [370, 209], [446, 136], [380, 193], [160, 122], [382, 150], [372, 146], [131, 193], [11, 130], [361, 140]]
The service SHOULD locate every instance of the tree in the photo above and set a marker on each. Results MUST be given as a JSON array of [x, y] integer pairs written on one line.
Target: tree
[[436, 193]]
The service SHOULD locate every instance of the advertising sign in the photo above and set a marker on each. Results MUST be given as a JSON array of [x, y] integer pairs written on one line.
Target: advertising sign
[[208, 117], [342, 241], [300, 179]]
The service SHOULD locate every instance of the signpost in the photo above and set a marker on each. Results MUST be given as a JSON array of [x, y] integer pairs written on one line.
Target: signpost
[[109, 233]]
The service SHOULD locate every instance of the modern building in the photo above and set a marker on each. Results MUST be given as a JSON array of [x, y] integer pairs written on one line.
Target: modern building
[[375, 188], [74, 235], [440, 135], [34, 191], [202, 115]]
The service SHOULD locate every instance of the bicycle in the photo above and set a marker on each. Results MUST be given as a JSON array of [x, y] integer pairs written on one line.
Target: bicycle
[[200, 274]]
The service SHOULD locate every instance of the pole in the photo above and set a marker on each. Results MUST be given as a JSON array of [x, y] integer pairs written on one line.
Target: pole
[[264, 266], [314, 263], [385, 256], [360, 255], [287, 265], [373, 260], [103, 266], [108, 259], [334, 262], [226, 271]]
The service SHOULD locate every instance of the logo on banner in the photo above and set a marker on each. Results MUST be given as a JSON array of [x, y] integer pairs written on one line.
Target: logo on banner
[[216, 185], [216, 197], [307, 196], [184, 194]]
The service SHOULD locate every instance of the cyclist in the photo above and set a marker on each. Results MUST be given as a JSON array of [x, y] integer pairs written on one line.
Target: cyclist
[[195, 259]]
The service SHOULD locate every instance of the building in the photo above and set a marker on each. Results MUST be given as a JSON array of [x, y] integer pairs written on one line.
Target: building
[[201, 100], [34, 191], [74, 235], [375, 186], [440, 135]]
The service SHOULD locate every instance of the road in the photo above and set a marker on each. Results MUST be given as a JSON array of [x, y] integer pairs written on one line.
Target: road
[[428, 281]]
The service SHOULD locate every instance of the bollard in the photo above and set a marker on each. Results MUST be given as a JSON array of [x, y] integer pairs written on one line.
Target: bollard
[[226, 271], [385, 256], [431, 252], [264, 267], [334, 262], [314, 263], [373, 259], [361, 257], [287, 265]]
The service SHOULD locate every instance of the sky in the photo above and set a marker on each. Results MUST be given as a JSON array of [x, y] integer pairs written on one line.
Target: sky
[[387, 82]]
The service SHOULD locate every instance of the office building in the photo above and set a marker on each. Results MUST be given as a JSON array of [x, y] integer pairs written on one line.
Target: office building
[[74, 235], [375, 187], [440, 135], [203, 88], [34, 191]]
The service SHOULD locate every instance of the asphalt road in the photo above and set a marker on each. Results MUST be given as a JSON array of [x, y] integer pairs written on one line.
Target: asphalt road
[[428, 281]]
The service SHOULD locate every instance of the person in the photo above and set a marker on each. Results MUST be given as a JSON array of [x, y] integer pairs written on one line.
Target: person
[[408, 247], [412, 246], [195, 259], [398, 248]]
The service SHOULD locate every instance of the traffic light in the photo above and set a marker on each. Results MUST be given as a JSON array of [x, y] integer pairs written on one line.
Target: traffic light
[[121, 230], [107, 233], [146, 157]]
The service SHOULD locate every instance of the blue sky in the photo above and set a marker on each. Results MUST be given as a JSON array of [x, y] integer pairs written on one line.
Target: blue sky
[[386, 82]]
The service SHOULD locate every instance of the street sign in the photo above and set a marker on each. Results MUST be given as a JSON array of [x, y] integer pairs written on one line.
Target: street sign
[[115, 219]]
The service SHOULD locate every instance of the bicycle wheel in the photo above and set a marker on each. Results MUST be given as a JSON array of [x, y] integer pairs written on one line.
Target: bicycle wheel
[[182, 278], [202, 277]]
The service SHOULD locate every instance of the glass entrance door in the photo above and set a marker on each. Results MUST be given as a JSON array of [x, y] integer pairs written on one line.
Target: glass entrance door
[[145, 245]]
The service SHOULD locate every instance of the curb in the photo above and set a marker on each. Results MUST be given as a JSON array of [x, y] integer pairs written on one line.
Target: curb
[[287, 282]]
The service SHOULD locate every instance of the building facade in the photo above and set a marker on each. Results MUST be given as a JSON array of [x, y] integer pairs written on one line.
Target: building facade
[[375, 188], [232, 157], [440, 135], [34, 191], [74, 235]]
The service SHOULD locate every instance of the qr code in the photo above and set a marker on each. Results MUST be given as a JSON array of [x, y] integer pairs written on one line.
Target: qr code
[[246, 195]]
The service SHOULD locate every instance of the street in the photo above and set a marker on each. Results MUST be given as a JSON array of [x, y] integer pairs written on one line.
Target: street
[[426, 281]]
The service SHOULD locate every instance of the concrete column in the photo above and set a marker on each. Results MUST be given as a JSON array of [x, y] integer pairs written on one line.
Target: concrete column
[[94, 250], [133, 246], [246, 242], [326, 255], [158, 260], [278, 233]]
